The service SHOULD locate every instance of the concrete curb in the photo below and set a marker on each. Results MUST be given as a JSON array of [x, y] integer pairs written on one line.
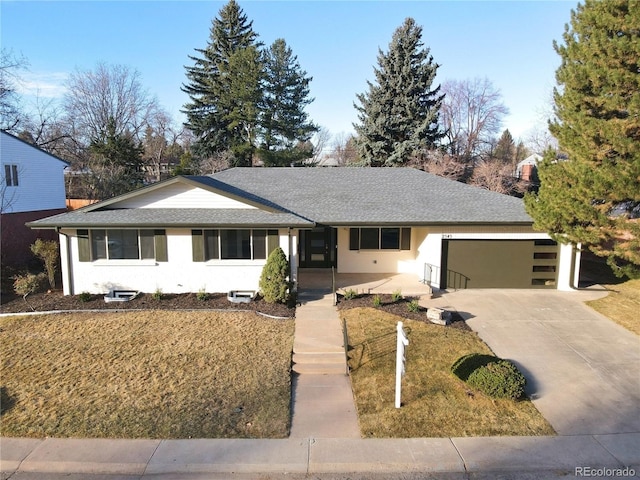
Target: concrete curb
[[320, 455]]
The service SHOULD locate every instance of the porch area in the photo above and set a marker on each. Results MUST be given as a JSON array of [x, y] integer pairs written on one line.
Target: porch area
[[369, 283]]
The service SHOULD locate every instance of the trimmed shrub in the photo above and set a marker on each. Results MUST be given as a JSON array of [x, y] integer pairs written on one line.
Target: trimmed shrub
[[274, 280], [466, 365], [85, 297], [500, 379]]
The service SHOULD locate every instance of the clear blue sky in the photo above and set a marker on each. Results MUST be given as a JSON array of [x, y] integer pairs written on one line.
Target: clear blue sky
[[336, 42]]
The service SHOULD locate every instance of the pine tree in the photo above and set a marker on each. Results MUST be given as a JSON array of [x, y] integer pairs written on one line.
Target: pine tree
[[284, 123], [220, 121], [594, 197], [399, 113], [505, 150]]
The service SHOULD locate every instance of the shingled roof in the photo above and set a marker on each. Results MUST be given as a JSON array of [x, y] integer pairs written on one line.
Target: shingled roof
[[302, 197], [361, 196]]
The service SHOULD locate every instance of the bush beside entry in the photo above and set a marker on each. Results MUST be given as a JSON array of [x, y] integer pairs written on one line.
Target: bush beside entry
[[274, 280], [491, 375]]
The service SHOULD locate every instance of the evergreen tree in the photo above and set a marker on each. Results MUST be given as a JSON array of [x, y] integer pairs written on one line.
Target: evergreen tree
[[505, 150], [399, 113], [285, 125], [230, 61], [593, 198], [115, 165]]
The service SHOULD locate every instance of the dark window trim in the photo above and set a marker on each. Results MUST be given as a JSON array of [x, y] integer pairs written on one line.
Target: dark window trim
[[208, 245], [148, 239], [356, 236]]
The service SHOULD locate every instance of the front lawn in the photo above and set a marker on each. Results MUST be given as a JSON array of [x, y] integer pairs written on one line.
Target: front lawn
[[147, 374], [435, 402], [621, 305]]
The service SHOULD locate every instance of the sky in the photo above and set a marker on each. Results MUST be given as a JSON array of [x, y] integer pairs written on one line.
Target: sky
[[509, 42]]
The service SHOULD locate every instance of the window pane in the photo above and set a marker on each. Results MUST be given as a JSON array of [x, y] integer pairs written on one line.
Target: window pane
[[235, 244], [147, 244], [354, 239], [369, 238], [98, 244], [14, 168], [123, 244], [259, 244], [211, 245], [7, 175], [390, 238]]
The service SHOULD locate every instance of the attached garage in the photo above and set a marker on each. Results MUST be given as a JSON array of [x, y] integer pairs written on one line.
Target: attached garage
[[499, 263]]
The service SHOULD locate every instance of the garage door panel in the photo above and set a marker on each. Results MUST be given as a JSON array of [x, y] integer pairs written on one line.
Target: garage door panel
[[497, 264]]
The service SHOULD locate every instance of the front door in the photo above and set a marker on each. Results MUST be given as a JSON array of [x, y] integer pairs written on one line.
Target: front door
[[317, 248]]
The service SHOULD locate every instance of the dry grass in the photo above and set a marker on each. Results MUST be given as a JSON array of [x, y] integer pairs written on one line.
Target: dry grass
[[435, 402], [153, 374], [621, 305]]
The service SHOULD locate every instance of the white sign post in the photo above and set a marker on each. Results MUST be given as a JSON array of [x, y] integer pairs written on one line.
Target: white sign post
[[403, 341]]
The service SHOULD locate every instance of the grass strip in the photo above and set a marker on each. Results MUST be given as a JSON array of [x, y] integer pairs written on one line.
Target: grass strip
[[621, 305]]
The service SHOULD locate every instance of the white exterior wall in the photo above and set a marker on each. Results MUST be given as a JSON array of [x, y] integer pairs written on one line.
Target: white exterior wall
[[424, 259], [372, 261], [179, 275], [40, 178], [182, 196]]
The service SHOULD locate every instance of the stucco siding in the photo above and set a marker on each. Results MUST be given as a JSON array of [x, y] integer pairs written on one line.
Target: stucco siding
[[180, 274], [182, 196]]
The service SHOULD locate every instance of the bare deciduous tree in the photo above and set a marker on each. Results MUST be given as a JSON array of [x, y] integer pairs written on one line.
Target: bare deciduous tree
[[110, 92], [10, 110], [471, 115], [494, 175]]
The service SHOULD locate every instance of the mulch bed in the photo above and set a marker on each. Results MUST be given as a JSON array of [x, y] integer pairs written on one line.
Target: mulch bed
[[399, 308], [55, 300]]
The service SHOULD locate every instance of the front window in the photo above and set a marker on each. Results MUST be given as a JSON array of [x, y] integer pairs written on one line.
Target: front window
[[391, 238], [123, 244], [233, 244]]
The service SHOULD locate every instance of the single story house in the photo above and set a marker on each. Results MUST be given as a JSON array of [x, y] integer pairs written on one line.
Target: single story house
[[214, 232]]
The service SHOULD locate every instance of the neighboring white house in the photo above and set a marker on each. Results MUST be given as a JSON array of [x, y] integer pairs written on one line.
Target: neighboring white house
[[215, 232], [526, 169], [31, 187]]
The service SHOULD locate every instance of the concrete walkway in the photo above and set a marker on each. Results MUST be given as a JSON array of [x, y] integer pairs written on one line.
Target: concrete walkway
[[322, 399]]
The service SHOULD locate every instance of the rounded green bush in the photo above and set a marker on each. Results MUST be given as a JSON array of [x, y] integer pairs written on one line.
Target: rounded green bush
[[467, 364], [500, 379]]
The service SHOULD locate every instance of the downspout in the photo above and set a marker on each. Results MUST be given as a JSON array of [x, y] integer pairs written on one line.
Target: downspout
[[294, 278]]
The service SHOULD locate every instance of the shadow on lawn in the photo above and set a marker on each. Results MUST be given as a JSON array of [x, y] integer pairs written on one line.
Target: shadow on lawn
[[7, 401]]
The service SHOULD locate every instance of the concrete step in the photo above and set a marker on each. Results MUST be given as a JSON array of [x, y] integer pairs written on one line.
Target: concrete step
[[320, 368], [319, 358], [319, 363]]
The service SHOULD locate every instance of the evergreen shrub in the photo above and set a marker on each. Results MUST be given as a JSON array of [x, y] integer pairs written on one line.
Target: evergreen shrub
[[274, 280], [500, 379]]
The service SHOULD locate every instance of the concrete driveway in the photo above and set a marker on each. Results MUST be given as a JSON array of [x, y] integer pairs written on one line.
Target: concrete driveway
[[583, 370]]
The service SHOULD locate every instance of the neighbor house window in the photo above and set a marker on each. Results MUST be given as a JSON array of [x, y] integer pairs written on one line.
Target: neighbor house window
[[11, 175], [380, 238], [233, 244], [122, 244]]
